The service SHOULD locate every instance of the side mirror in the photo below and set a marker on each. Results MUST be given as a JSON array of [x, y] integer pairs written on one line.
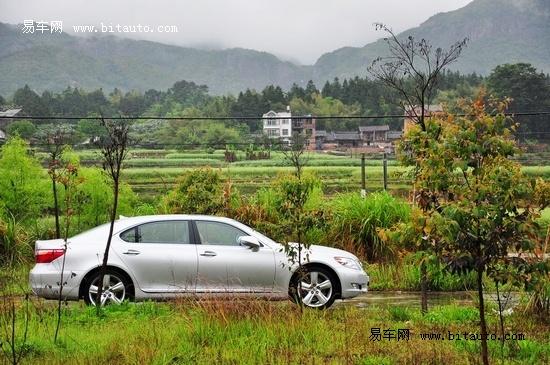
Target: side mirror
[[249, 241]]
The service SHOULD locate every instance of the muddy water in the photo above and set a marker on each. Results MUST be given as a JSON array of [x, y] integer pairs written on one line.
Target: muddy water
[[412, 299]]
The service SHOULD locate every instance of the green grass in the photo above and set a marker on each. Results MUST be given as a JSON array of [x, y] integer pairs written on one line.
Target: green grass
[[260, 332], [406, 276]]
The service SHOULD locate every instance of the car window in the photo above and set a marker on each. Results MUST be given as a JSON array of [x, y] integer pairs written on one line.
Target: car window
[[217, 233], [158, 232]]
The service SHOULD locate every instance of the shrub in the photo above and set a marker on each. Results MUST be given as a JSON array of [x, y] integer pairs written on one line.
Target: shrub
[[94, 199], [23, 187], [356, 221], [15, 242], [197, 191]]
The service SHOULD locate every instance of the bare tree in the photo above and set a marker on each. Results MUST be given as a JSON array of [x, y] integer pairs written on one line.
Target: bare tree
[[114, 148], [55, 145], [68, 177], [413, 69], [295, 153]]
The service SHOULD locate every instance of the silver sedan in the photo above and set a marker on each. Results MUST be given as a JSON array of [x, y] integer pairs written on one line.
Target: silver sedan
[[163, 256]]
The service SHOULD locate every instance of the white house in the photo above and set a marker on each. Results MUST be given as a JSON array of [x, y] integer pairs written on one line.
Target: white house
[[278, 125]]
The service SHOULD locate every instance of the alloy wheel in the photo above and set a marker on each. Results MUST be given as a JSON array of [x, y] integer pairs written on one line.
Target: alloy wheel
[[114, 290], [315, 289]]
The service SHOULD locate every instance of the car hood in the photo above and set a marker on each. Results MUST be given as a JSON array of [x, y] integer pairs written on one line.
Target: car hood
[[322, 253]]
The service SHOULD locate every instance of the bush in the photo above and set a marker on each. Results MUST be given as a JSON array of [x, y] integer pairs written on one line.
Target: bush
[[94, 199], [196, 192], [23, 186], [15, 242], [356, 221]]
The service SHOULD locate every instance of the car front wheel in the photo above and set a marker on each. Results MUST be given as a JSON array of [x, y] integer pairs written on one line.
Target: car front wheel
[[116, 289], [314, 287]]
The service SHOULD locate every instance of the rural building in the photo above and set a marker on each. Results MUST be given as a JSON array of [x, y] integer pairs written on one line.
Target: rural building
[[278, 125], [410, 114], [5, 121], [282, 126], [372, 134]]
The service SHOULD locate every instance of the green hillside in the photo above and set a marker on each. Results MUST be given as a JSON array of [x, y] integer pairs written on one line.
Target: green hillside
[[500, 31]]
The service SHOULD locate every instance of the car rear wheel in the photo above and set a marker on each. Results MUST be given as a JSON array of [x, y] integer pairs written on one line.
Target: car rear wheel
[[116, 289], [314, 287]]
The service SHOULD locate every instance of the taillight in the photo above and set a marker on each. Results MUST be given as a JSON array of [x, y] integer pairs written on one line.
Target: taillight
[[47, 256]]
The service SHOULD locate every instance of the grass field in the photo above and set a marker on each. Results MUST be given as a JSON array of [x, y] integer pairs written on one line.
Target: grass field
[[260, 332]]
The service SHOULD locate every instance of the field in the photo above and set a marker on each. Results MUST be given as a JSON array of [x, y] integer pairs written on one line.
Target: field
[[153, 172]]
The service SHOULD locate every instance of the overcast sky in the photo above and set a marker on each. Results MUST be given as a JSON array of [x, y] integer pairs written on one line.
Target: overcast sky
[[298, 30]]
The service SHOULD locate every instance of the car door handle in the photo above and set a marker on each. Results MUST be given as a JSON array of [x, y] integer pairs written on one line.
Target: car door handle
[[209, 253], [132, 252]]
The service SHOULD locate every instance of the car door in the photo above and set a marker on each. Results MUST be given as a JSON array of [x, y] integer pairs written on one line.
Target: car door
[[161, 255], [225, 265]]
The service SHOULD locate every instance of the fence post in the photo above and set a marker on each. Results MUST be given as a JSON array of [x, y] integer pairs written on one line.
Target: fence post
[[363, 182], [385, 164]]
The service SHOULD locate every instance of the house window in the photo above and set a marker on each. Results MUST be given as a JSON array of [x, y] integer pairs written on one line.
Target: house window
[[285, 132], [272, 122]]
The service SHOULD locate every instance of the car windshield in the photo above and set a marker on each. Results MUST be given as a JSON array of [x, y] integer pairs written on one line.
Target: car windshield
[[264, 238]]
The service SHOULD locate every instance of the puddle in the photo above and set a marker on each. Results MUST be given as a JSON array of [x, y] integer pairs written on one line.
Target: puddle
[[412, 299]]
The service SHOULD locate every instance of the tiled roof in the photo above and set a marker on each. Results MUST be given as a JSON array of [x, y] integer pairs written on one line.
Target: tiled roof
[[374, 128]]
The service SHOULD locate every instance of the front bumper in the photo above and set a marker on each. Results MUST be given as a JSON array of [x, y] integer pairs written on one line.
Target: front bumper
[[45, 282], [354, 283]]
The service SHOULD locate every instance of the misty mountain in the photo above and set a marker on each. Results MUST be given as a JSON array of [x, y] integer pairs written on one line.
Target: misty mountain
[[500, 31], [54, 61]]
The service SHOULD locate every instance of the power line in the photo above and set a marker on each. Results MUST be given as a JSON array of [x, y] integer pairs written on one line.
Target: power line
[[254, 118]]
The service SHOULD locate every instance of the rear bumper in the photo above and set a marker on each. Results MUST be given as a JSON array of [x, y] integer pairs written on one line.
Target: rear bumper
[[45, 282], [353, 283]]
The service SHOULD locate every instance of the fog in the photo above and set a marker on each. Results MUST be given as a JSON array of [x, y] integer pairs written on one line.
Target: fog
[[299, 31]]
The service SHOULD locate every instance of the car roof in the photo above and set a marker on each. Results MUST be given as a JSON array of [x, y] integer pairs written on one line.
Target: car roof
[[127, 222], [148, 218]]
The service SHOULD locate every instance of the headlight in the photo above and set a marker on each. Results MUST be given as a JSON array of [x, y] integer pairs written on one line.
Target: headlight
[[348, 262]]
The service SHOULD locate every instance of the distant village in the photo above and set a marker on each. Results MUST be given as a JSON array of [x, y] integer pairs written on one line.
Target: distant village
[[368, 139], [282, 126]]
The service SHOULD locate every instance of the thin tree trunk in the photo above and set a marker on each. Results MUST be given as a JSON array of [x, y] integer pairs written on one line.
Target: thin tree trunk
[[482, 322], [424, 287], [103, 270], [56, 209]]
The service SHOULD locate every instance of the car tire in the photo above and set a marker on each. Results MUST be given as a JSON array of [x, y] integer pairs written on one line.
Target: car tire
[[117, 288], [318, 287]]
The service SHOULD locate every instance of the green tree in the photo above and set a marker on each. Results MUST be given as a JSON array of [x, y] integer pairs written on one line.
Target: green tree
[[23, 186], [22, 128], [528, 89], [476, 204], [30, 101]]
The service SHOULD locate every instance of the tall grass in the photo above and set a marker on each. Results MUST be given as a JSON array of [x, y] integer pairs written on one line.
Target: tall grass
[[356, 221], [405, 275], [259, 332]]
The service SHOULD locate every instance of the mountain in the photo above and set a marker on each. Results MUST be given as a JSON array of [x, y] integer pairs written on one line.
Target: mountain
[[500, 31], [53, 61]]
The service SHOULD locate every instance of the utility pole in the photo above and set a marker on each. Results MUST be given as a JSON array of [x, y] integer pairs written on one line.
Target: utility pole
[[363, 183], [385, 164]]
